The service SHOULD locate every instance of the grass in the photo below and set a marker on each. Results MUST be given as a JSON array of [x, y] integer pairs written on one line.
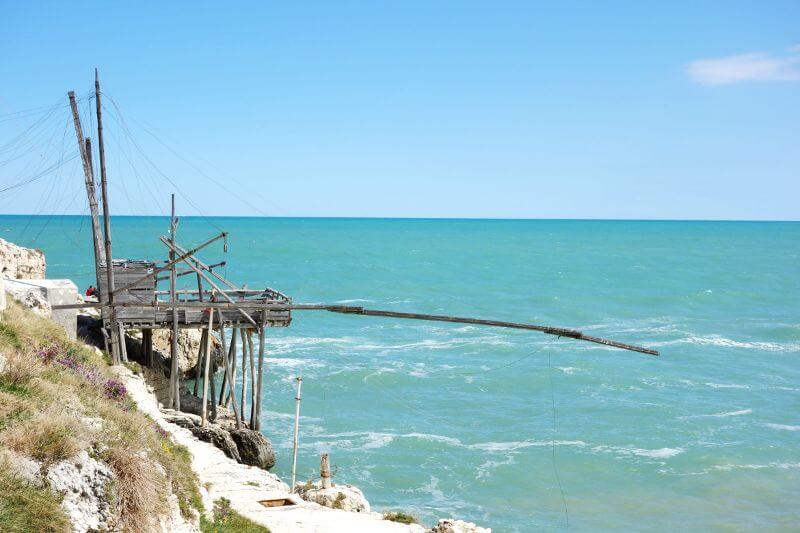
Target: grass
[[226, 520], [58, 397], [401, 517], [24, 508]]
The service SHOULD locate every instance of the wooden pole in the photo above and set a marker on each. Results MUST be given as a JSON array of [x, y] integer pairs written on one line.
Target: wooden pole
[[174, 381], [198, 373], [226, 363], [296, 432], [147, 346], [252, 379], [325, 470], [88, 174], [243, 404], [259, 386], [229, 393], [207, 365], [116, 342]]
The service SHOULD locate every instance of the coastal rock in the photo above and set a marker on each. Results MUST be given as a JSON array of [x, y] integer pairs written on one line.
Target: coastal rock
[[23, 467], [344, 497], [451, 525], [254, 448], [31, 297], [83, 482], [2, 362], [211, 433], [17, 262], [188, 348]]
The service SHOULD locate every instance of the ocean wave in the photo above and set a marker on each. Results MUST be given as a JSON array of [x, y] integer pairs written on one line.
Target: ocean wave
[[724, 342], [784, 427], [782, 466], [727, 386], [660, 453], [568, 369], [353, 300], [731, 413]]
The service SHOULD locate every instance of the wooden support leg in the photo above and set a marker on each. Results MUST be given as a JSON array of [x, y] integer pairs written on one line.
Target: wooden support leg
[[147, 347], [123, 349], [261, 343], [207, 365], [228, 371], [252, 379], [243, 404], [198, 367]]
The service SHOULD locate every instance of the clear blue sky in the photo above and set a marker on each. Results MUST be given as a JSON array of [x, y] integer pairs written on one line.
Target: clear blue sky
[[443, 109]]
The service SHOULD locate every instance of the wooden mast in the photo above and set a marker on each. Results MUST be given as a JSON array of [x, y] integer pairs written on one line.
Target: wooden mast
[[84, 147], [174, 382], [116, 349]]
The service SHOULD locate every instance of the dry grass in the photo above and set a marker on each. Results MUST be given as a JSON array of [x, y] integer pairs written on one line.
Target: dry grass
[[48, 437], [141, 489]]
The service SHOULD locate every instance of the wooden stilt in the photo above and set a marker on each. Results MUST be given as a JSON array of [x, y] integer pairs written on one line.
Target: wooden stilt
[[243, 404], [201, 356], [147, 347], [207, 365], [228, 371], [259, 382], [123, 348], [296, 431], [253, 390]]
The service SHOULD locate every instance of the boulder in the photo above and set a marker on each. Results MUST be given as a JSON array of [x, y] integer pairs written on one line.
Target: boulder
[[451, 525], [254, 448], [344, 497], [21, 263], [210, 433], [84, 483]]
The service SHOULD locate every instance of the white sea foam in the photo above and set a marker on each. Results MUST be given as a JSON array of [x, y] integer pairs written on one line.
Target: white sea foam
[[724, 342], [354, 300], [784, 427], [661, 453], [732, 413], [568, 369], [727, 386]]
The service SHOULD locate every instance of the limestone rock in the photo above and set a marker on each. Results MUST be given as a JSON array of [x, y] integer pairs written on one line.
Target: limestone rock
[[2, 363], [83, 482], [345, 497], [210, 433], [451, 525], [23, 467], [21, 263], [188, 348], [254, 448], [31, 297]]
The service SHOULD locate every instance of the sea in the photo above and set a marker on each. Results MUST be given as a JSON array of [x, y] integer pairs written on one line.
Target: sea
[[517, 430]]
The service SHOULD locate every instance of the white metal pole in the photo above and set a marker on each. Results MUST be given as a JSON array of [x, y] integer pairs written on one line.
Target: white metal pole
[[296, 431]]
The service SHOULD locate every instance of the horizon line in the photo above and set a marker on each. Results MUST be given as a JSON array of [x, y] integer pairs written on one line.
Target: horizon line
[[342, 217]]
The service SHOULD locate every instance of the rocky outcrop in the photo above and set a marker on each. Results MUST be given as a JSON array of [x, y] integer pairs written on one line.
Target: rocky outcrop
[[254, 448], [210, 433], [17, 262], [31, 297], [345, 497], [242, 445], [451, 525], [84, 483]]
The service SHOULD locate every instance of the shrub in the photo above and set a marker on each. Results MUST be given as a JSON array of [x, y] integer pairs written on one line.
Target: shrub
[[401, 517], [47, 437], [226, 520]]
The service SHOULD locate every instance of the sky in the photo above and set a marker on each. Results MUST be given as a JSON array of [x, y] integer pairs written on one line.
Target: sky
[[622, 110]]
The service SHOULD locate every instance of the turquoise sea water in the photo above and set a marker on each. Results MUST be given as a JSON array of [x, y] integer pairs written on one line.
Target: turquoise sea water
[[482, 423]]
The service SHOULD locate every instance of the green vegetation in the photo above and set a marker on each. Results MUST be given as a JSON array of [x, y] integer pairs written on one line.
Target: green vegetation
[[401, 517], [226, 520], [24, 508], [58, 397]]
